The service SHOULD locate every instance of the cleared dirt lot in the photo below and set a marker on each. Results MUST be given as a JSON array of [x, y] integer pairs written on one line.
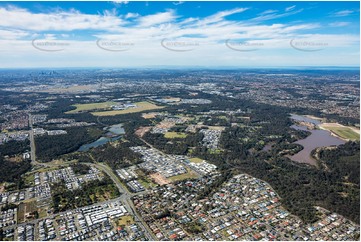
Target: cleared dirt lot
[[159, 179]]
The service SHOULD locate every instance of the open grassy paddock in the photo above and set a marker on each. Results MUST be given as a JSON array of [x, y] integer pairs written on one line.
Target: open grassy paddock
[[25, 208], [189, 175], [346, 133], [341, 131], [125, 220], [141, 107], [173, 135], [146, 183], [90, 106], [195, 160]]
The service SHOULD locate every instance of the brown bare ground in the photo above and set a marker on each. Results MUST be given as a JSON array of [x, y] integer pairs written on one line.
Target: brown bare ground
[[140, 132], [159, 179], [149, 115], [165, 125]]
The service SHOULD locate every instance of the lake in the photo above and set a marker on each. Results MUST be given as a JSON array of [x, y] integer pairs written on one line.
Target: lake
[[117, 129], [305, 119], [318, 138], [113, 130], [98, 142]]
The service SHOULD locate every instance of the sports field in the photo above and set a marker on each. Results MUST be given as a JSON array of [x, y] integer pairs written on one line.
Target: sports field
[[141, 106], [195, 160], [342, 131], [172, 135], [90, 106]]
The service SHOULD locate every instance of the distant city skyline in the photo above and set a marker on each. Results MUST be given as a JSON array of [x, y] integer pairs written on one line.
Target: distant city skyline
[[125, 34]]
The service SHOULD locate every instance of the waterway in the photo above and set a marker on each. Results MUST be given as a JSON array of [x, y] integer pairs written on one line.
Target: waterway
[[115, 132], [318, 138], [116, 129]]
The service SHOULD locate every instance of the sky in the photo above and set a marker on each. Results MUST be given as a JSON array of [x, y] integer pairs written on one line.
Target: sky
[[121, 34]]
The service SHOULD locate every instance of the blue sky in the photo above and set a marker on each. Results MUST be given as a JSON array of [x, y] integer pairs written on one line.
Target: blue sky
[[205, 34]]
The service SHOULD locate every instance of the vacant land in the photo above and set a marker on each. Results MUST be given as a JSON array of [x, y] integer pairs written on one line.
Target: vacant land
[[142, 130], [189, 175], [146, 183], [141, 106], [90, 106], [341, 131], [159, 179], [149, 115], [125, 220], [24, 209], [195, 160], [173, 135], [29, 179]]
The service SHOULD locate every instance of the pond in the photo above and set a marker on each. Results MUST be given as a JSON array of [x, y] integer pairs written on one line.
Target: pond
[[98, 142], [318, 138], [116, 129], [114, 133]]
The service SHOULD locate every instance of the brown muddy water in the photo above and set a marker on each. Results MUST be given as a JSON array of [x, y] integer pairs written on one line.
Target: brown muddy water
[[318, 138]]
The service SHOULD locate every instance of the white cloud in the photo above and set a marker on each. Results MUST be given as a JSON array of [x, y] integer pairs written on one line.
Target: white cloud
[[13, 34], [268, 12], [156, 19], [290, 8], [339, 24], [50, 36], [220, 16], [131, 15], [275, 16], [178, 3], [343, 13], [121, 2], [67, 21], [146, 33]]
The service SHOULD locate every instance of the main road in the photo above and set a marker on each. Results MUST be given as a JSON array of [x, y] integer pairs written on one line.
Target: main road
[[125, 198], [125, 195]]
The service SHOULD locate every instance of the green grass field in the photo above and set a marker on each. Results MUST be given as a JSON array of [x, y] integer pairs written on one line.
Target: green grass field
[[29, 179], [173, 135], [141, 106], [345, 133], [215, 151], [125, 220], [146, 183], [195, 160], [90, 106], [189, 175]]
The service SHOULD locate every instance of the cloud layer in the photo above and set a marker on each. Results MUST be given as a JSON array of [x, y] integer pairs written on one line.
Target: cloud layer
[[167, 37]]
